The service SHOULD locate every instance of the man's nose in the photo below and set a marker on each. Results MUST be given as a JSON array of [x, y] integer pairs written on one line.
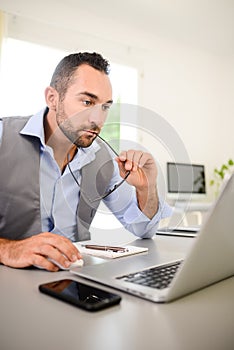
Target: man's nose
[[98, 115]]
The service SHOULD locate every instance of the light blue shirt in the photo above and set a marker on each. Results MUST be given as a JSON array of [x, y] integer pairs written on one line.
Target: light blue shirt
[[60, 193]]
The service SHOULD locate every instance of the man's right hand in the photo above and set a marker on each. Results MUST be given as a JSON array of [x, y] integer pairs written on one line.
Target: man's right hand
[[37, 249]]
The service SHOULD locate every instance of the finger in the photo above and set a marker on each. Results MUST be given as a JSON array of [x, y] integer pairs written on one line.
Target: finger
[[133, 159], [127, 157], [70, 251], [137, 160], [42, 262], [145, 160], [52, 253], [123, 156], [62, 244], [121, 166]]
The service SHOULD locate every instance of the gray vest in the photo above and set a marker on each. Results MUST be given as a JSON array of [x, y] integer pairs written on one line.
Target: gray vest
[[20, 215]]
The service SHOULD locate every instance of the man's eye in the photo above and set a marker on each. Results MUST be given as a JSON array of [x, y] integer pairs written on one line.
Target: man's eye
[[87, 103], [106, 107]]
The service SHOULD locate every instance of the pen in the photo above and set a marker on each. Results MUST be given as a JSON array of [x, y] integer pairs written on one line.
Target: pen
[[105, 248]]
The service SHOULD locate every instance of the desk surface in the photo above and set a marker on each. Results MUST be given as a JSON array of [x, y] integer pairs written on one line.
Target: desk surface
[[31, 321], [193, 206]]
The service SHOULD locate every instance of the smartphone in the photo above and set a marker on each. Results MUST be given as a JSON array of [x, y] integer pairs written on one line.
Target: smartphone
[[80, 294]]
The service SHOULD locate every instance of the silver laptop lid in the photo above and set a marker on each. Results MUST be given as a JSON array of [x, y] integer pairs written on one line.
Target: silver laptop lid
[[211, 257]]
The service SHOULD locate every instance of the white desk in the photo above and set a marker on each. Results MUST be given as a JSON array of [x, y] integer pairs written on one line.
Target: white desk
[[32, 321], [193, 206], [181, 209]]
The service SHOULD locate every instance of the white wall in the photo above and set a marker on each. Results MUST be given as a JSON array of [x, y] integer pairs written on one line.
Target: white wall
[[194, 91], [191, 88]]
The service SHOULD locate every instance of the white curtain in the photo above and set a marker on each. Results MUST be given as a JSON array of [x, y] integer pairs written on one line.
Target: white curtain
[[3, 31]]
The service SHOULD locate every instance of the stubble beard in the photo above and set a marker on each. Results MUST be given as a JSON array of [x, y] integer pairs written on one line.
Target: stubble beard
[[75, 136]]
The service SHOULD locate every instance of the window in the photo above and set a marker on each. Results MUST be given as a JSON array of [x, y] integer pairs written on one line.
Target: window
[[26, 69]]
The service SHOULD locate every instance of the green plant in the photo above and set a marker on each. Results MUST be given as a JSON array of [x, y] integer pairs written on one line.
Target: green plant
[[111, 128], [220, 174]]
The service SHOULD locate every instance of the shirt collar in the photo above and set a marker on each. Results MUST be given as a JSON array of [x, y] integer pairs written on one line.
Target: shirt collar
[[34, 127]]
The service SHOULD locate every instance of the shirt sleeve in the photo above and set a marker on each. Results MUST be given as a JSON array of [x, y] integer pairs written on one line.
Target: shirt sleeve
[[123, 204]]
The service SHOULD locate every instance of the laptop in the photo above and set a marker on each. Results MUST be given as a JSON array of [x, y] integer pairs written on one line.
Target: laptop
[[182, 231], [209, 260]]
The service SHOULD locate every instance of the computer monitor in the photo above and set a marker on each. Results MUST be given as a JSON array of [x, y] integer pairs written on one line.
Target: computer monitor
[[185, 181]]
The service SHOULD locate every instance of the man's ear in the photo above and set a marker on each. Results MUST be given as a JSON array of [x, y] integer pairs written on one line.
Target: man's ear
[[51, 97]]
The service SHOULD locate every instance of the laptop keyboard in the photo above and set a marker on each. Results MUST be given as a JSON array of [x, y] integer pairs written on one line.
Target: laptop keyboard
[[158, 277]]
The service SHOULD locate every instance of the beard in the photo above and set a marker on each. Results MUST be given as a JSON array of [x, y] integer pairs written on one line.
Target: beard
[[83, 135]]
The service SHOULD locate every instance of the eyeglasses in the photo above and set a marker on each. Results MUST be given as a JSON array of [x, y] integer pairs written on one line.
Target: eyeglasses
[[110, 190]]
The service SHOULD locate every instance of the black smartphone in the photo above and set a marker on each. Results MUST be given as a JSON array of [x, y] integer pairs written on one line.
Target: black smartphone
[[80, 294]]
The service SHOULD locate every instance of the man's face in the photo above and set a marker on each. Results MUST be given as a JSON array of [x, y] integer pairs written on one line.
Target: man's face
[[82, 112]]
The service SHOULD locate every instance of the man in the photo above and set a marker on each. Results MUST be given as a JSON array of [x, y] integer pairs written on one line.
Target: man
[[55, 170]]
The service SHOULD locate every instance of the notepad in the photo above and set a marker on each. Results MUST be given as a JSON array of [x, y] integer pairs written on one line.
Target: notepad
[[130, 250]]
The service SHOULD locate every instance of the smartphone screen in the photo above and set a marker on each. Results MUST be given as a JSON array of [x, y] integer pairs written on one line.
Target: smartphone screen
[[80, 294]]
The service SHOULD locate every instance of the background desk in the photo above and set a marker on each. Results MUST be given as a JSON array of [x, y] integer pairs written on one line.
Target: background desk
[[32, 321], [188, 213]]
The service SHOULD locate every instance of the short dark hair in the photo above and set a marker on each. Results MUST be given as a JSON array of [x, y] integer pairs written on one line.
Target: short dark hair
[[64, 71]]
